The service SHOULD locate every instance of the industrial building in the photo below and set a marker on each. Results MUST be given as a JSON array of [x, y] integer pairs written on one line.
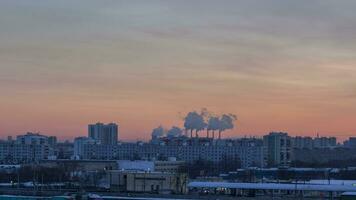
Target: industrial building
[[147, 182]]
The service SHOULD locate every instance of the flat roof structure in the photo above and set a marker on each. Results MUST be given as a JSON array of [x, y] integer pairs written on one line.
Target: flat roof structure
[[274, 186]]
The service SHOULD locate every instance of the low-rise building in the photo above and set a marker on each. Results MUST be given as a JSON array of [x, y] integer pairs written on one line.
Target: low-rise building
[[81, 165], [148, 182], [324, 155], [136, 165], [64, 150], [170, 166]]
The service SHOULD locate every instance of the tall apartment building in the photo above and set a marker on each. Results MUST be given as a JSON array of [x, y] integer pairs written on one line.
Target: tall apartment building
[[106, 134], [278, 149]]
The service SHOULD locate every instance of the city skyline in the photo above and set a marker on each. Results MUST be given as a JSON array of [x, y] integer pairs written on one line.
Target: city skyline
[[278, 65], [165, 133]]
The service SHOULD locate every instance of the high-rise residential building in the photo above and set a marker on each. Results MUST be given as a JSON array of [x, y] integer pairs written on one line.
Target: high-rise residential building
[[278, 149], [105, 134]]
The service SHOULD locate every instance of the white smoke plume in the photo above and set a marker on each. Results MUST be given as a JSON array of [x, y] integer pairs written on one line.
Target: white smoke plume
[[195, 121], [158, 132], [213, 123], [174, 132], [227, 122]]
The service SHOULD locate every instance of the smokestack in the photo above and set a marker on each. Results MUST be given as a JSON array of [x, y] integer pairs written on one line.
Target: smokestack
[[195, 121], [213, 124]]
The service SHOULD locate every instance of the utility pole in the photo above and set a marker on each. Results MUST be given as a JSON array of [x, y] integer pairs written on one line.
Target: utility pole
[[42, 182], [18, 178]]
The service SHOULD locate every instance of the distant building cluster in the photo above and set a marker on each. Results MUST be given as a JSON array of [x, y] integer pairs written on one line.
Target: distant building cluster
[[248, 151], [126, 175], [281, 149], [102, 143]]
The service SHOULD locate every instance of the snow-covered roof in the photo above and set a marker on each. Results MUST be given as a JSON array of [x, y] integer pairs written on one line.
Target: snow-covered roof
[[349, 194], [137, 165], [274, 186], [330, 182]]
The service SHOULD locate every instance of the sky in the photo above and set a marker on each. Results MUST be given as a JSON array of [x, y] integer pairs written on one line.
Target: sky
[[279, 65]]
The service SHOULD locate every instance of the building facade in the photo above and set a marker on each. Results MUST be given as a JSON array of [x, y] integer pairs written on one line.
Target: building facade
[[147, 182], [32, 139], [303, 142], [249, 151], [278, 149], [79, 145], [27, 148], [314, 143], [16, 153], [324, 142]]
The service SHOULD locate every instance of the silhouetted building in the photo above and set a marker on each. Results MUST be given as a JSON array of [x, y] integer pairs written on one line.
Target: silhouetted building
[[106, 134]]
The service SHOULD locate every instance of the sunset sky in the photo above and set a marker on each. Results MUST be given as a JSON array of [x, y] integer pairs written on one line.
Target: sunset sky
[[279, 65]]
